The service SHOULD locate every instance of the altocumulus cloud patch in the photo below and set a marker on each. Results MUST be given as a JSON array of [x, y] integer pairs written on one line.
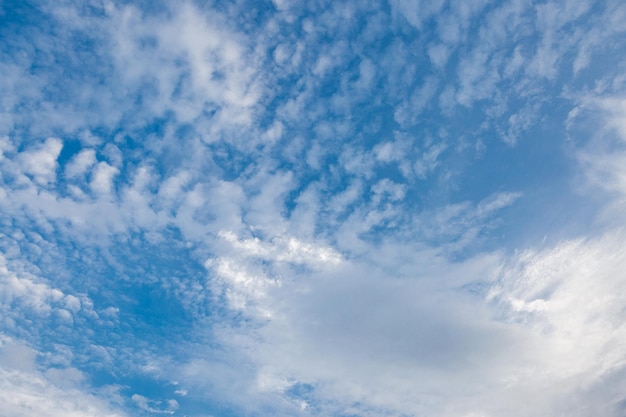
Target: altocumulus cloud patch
[[285, 208]]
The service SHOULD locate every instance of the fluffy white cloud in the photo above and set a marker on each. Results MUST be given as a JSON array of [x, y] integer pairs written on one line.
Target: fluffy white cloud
[[41, 161]]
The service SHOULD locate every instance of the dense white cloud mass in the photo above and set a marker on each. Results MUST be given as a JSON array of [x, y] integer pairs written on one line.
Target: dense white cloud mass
[[288, 208]]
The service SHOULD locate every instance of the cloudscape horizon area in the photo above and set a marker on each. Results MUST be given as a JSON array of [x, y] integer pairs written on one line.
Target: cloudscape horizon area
[[313, 208]]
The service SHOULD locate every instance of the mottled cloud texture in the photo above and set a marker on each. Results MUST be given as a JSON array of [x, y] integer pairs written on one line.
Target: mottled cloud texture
[[288, 208]]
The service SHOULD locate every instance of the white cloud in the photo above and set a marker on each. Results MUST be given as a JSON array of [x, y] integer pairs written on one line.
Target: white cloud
[[6, 146], [28, 293], [615, 111], [438, 55], [417, 103], [245, 282], [415, 342], [571, 295], [339, 328], [284, 249], [603, 158], [25, 391], [220, 68], [102, 179], [266, 204], [417, 12], [378, 328], [153, 406], [41, 161], [243, 285], [428, 161], [80, 163], [367, 74], [552, 319]]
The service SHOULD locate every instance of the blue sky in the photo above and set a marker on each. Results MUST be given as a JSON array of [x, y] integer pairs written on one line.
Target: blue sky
[[290, 208]]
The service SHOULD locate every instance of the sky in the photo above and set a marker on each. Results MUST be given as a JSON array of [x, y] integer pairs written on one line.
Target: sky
[[312, 208]]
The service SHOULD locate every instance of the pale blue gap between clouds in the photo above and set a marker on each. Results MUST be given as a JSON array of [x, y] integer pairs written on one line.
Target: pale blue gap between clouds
[[290, 208]]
